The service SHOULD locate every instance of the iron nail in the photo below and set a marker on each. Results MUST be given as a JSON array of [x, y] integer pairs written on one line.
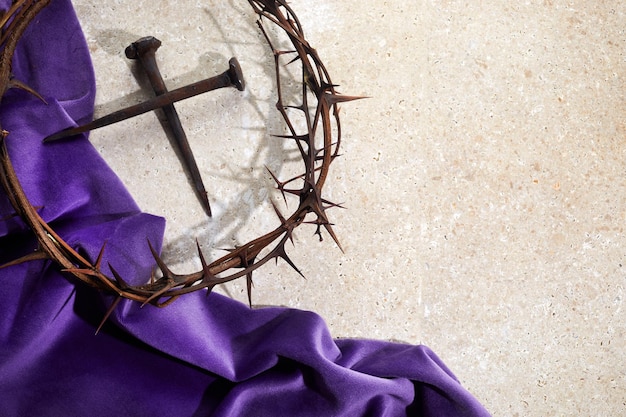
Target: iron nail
[[233, 77], [144, 51]]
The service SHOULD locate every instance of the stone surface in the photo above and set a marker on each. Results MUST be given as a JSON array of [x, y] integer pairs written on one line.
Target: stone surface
[[484, 178]]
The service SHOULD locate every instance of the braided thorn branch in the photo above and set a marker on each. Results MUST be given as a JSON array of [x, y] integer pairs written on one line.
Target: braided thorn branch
[[318, 146]]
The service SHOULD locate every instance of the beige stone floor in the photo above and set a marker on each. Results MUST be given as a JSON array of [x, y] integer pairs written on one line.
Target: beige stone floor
[[484, 178]]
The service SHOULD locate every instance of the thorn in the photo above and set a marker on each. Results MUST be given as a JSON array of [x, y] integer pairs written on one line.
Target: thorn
[[91, 270], [281, 253], [202, 260], [318, 230], [65, 303], [330, 204], [249, 285], [303, 138], [327, 86], [35, 256], [303, 109], [333, 99], [8, 217], [157, 294], [15, 83], [283, 221], [279, 184], [206, 272], [284, 52], [297, 58], [245, 263], [327, 148], [108, 313], [332, 234], [164, 269], [322, 221], [120, 281], [99, 258]]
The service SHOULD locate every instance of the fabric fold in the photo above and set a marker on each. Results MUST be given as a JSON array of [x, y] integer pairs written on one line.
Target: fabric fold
[[200, 356]]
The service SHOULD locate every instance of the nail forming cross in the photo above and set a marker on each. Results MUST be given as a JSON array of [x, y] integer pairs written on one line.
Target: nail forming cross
[[144, 51]]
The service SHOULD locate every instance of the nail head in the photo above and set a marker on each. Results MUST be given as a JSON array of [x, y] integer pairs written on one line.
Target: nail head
[[236, 75], [142, 46]]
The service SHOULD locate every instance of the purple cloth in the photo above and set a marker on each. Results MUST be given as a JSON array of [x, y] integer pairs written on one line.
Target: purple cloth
[[197, 357]]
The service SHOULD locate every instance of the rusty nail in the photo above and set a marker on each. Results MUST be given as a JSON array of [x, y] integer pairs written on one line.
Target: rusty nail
[[144, 51], [233, 77]]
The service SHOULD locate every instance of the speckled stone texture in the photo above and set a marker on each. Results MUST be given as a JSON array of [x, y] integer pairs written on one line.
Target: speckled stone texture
[[484, 177]]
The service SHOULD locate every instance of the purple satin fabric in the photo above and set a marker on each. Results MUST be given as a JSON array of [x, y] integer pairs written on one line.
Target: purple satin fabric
[[197, 357]]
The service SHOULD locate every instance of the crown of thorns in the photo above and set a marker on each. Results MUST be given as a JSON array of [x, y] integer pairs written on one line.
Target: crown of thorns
[[317, 141]]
